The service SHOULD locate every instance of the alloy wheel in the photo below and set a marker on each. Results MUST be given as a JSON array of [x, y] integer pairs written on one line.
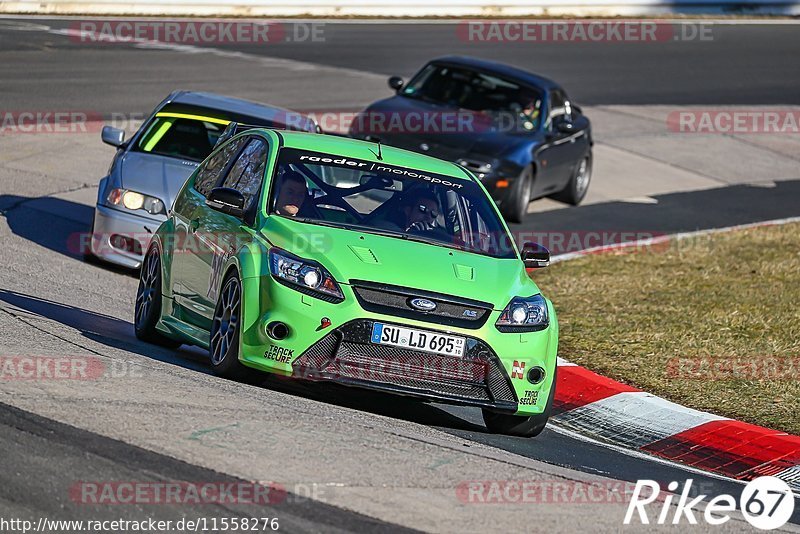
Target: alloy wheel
[[148, 287], [226, 321], [583, 177]]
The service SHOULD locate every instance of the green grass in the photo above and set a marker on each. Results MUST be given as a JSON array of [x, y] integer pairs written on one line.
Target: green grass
[[728, 298]]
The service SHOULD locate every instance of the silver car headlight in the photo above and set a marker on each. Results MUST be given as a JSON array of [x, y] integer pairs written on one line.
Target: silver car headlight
[[306, 276], [524, 314], [134, 201]]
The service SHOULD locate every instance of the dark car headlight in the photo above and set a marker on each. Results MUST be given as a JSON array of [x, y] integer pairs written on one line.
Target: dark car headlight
[[480, 168], [524, 314], [306, 276], [135, 201]]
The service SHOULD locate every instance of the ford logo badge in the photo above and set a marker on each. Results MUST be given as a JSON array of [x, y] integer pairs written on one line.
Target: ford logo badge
[[423, 304]]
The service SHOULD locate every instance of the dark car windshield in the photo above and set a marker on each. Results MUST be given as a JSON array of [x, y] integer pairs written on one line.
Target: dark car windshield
[[476, 91], [389, 200], [181, 136]]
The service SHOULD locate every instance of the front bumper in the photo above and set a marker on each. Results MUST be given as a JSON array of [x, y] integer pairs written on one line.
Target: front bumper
[[492, 374], [121, 238], [346, 355]]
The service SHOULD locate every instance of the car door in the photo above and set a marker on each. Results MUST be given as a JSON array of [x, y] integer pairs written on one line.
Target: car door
[[219, 235], [187, 243], [561, 150]]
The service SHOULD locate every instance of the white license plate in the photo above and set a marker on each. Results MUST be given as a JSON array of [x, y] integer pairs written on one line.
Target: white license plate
[[398, 336]]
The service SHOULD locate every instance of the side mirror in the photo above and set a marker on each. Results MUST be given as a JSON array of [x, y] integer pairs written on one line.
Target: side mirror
[[565, 127], [535, 256], [396, 83], [113, 136], [226, 200]]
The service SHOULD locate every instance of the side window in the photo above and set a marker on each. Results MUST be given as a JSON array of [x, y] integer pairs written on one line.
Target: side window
[[556, 100], [247, 173], [208, 176]]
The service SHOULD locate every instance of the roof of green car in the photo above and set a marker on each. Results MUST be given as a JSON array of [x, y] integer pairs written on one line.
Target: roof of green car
[[355, 148]]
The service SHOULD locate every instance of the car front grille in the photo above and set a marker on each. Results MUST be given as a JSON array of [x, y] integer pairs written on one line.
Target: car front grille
[[395, 300], [347, 355]]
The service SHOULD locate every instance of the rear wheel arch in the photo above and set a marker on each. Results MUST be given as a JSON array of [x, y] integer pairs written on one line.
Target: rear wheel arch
[[232, 268], [225, 335], [166, 264], [149, 300], [515, 206], [577, 186], [534, 173]]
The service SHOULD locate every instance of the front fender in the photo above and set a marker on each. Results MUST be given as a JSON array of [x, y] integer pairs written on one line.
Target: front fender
[[252, 263]]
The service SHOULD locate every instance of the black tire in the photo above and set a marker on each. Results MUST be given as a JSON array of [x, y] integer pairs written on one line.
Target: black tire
[[147, 310], [516, 204], [223, 345], [578, 183], [515, 425]]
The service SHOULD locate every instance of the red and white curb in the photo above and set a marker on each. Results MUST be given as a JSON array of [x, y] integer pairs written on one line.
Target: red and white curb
[[610, 412]]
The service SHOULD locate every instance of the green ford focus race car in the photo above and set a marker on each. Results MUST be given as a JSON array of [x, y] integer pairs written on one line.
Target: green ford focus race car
[[331, 259]]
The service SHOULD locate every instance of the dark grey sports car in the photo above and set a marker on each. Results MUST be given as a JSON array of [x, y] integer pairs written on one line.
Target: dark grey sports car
[[516, 131]]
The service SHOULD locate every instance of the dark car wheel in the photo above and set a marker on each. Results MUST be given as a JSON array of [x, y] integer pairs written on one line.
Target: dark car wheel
[[515, 425], [516, 204], [223, 346], [147, 310], [578, 183]]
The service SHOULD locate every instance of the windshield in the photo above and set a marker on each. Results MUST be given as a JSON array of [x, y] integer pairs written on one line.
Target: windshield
[[181, 136], [388, 200], [476, 91]]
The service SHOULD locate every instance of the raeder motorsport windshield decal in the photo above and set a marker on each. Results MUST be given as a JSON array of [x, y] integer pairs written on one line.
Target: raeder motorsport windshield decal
[[306, 157]]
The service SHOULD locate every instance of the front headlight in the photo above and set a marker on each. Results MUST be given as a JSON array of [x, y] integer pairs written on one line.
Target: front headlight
[[135, 201], [524, 315], [306, 276], [480, 168]]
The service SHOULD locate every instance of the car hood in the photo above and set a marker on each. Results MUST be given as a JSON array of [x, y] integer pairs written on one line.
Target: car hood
[[158, 176], [350, 255], [477, 140]]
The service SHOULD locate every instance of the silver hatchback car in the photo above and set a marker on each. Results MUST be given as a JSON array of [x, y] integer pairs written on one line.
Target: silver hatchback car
[[149, 169]]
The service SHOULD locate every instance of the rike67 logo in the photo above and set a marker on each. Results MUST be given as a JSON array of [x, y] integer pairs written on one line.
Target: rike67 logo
[[766, 503]]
